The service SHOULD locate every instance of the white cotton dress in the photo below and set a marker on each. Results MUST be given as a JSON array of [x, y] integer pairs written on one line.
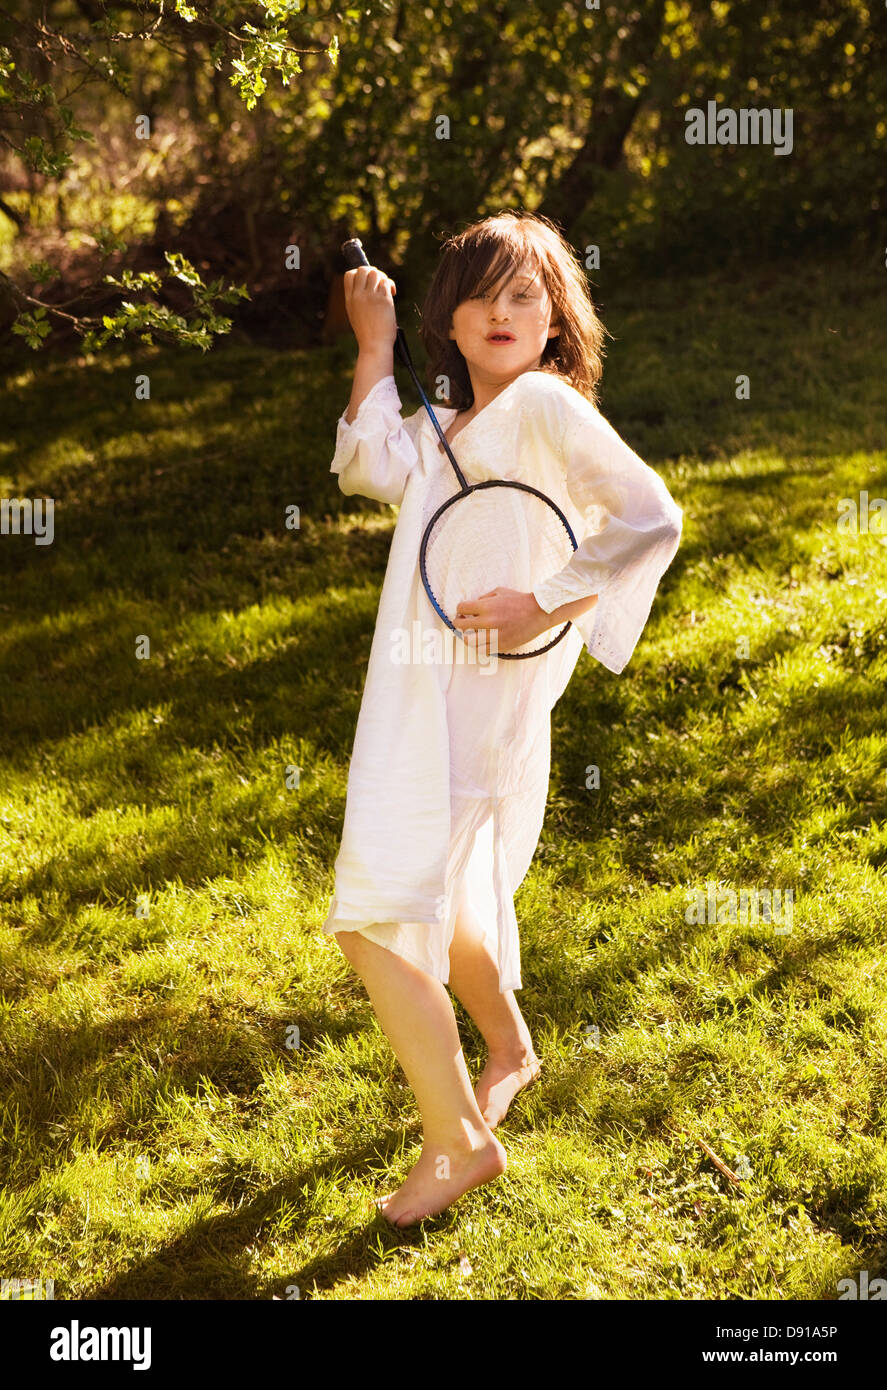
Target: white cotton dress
[[449, 770]]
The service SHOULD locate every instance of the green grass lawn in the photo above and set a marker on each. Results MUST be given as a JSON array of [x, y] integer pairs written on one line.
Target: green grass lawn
[[163, 877]]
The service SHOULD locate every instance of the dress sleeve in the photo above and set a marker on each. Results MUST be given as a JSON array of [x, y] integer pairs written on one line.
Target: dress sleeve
[[375, 454], [631, 534]]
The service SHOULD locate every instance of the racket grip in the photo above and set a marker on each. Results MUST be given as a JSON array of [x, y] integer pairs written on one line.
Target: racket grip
[[354, 253], [355, 256]]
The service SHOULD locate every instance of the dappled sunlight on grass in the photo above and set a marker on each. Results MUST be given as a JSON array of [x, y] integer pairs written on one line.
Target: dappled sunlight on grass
[[197, 1099]]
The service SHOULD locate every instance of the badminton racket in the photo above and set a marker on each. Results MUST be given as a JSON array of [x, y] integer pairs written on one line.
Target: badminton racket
[[495, 533]]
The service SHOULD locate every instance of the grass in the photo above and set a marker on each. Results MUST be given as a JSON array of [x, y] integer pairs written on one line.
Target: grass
[[164, 872]]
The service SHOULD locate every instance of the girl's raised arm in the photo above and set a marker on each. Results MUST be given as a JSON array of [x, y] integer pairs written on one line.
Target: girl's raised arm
[[374, 452], [369, 304]]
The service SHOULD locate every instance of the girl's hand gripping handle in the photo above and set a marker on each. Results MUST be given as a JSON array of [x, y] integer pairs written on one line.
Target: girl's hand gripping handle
[[369, 303]]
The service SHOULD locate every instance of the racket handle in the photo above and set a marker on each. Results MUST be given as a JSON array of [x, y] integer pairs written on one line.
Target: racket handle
[[355, 256], [354, 253]]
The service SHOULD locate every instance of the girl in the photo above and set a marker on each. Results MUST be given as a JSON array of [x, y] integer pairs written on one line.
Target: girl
[[449, 771]]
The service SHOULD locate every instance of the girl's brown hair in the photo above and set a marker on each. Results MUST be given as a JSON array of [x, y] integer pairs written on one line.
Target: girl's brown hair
[[474, 260]]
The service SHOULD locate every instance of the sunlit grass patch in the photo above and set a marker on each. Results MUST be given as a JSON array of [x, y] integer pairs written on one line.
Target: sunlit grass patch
[[197, 1099]]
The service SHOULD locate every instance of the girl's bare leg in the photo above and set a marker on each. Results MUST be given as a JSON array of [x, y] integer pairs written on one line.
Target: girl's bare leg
[[416, 1015], [474, 979]]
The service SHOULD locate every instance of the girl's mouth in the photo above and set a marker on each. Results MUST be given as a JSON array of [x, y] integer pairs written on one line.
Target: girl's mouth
[[501, 338]]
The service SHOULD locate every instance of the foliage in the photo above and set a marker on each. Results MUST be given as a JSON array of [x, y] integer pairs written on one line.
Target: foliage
[[401, 122], [107, 54]]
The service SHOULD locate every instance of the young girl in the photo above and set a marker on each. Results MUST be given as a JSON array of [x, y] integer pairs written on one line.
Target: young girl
[[450, 765]]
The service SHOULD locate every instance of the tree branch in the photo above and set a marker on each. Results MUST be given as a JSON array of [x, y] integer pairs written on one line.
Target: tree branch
[[11, 213]]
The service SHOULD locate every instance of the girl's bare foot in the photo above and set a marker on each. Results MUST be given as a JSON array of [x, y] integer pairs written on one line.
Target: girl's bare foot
[[439, 1178], [504, 1075]]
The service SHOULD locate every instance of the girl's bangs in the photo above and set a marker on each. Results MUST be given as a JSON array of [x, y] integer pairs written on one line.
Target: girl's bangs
[[492, 258]]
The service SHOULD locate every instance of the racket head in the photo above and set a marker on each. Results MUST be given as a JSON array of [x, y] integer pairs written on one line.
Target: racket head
[[494, 534]]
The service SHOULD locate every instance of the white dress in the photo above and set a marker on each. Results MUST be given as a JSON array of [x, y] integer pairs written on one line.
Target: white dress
[[450, 765]]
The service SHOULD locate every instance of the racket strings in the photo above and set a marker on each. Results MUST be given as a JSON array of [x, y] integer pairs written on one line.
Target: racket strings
[[495, 537]]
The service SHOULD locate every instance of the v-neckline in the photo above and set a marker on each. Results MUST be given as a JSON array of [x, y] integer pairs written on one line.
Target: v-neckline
[[441, 452]]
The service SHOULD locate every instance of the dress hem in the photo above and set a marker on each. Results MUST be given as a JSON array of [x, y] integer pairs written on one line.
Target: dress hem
[[358, 924]]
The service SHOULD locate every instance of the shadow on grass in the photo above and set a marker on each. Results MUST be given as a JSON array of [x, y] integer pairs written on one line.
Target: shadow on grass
[[60, 684], [140, 1057], [212, 1260], [176, 760]]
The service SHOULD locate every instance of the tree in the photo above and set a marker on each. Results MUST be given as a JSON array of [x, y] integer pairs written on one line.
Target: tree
[[428, 118], [45, 63]]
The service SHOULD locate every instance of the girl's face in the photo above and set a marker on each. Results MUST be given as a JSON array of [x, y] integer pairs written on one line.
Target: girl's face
[[520, 311]]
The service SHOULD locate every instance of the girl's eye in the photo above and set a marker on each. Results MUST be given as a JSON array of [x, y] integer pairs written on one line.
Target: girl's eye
[[523, 295]]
